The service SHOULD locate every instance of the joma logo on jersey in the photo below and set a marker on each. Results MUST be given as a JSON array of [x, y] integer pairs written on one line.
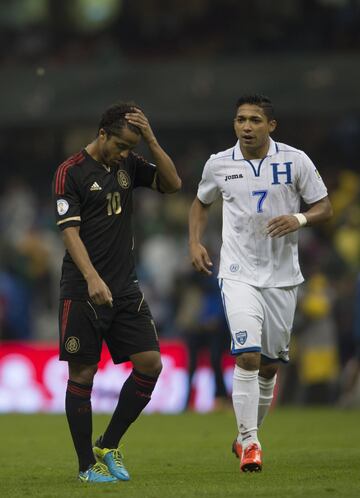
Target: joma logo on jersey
[[233, 177]]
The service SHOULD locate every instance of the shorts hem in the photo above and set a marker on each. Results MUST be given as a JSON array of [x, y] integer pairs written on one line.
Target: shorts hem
[[124, 359], [81, 360], [274, 360], [254, 349]]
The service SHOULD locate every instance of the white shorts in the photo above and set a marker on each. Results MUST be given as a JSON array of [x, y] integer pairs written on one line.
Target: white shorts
[[259, 319]]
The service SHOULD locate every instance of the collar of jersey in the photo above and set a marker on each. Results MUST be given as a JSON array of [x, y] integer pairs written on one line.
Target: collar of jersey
[[238, 155], [97, 163]]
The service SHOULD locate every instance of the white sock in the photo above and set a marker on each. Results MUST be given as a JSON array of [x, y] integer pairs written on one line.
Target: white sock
[[245, 397], [266, 395]]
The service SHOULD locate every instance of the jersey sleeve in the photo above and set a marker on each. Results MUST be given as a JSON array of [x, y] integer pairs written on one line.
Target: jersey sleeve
[[310, 184], [66, 199], [145, 173], [208, 189]]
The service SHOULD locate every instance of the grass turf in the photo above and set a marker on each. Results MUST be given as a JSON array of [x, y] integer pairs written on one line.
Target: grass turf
[[307, 452]]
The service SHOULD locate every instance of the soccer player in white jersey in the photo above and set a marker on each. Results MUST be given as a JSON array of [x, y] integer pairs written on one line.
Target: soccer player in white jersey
[[261, 183]]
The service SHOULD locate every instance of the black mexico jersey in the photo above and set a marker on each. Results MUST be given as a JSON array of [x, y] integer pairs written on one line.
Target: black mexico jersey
[[99, 201]]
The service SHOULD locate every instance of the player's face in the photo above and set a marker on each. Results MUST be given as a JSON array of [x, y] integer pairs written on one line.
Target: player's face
[[116, 148], [253, 129]]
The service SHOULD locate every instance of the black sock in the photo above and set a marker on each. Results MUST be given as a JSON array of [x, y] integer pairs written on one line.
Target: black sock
[[134, 396], [79, 416]]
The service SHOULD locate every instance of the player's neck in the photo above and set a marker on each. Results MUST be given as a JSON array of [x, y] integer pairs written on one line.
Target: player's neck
[[93, 152], [255, 152], [91, 149]]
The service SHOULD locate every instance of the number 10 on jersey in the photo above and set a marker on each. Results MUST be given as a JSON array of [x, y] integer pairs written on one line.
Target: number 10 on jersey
[[113, 203]]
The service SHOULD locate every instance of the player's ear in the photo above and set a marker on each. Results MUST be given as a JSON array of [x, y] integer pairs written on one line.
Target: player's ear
[[102, 135], [272, 125]]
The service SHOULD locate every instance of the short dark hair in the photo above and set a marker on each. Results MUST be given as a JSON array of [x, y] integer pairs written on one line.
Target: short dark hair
[[259, 100], [113, 119]]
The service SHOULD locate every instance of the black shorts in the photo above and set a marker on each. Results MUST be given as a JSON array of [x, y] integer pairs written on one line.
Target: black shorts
[[127, 328]]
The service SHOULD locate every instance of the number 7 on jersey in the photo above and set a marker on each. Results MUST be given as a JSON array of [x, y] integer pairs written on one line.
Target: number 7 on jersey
[[262, 195]]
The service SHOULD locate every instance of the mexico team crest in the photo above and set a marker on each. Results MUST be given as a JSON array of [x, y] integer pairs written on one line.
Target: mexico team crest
[[72, 345], [241, 337], [123, 178]]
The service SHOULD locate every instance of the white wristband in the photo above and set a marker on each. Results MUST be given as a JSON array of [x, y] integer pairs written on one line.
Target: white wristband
[[301, 219]]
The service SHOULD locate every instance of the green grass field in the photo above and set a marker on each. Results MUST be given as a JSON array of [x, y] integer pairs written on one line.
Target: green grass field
[[307, 453]]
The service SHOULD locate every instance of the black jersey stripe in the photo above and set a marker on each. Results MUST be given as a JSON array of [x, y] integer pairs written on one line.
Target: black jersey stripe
[[62, 170]]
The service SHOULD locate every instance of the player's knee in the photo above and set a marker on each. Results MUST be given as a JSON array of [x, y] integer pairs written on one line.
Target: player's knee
[[248, 361], [268, 371], [155, 367], [151, 370], [83, 374], [148, 363]]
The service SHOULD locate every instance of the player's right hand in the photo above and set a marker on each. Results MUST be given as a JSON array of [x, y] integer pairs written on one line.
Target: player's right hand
[[137, 118], [200, 258], [99, 292]]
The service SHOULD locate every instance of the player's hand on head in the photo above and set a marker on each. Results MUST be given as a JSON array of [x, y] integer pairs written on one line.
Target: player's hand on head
[[200, 259], [282, 225], [138, 118]]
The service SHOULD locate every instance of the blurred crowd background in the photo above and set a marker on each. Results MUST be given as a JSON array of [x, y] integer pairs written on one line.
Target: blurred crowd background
[[186, 63]]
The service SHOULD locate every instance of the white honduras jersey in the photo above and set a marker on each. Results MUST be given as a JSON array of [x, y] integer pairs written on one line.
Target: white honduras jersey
[[253, 192]]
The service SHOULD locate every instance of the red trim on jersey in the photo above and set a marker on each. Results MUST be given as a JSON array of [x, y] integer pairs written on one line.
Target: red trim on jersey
[[64, 318], [62, 170]]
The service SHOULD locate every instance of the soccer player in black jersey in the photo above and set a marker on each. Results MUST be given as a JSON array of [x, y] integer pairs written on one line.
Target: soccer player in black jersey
[[99, 294]]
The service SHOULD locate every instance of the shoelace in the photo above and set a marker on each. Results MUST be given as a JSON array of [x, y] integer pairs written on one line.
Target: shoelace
[[100, 468], [251, 449], [118, 458]]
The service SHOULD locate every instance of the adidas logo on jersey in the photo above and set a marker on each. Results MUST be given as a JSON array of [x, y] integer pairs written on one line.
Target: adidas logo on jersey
[[233, 177], [95, 186]]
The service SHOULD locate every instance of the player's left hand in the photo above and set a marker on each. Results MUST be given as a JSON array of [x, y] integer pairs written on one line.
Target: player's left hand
[[282, 225], [138, 118]]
